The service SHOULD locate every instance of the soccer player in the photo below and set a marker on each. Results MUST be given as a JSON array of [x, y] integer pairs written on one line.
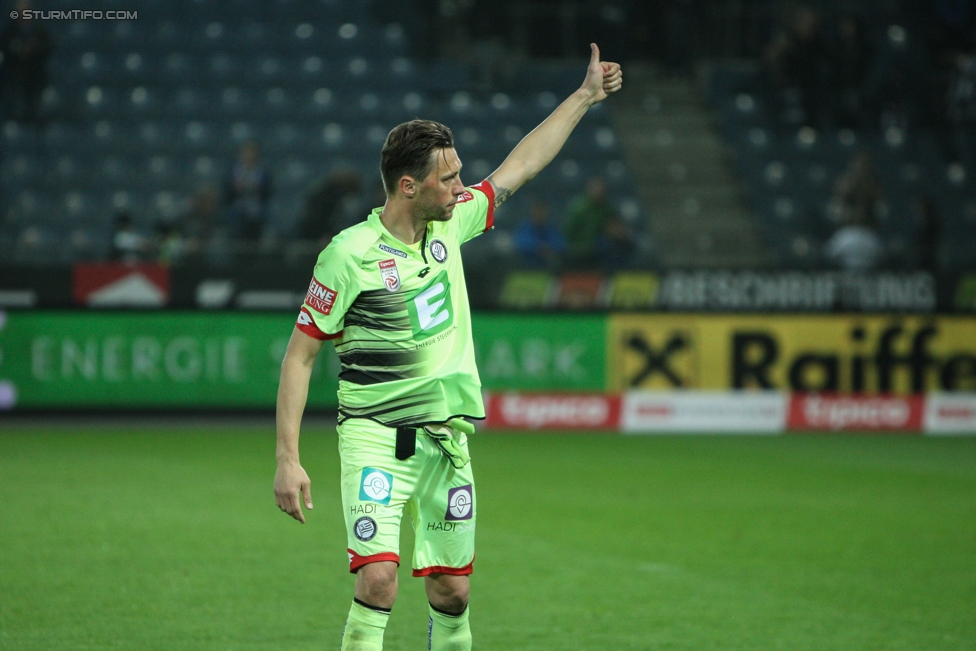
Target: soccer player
[[390, 294]]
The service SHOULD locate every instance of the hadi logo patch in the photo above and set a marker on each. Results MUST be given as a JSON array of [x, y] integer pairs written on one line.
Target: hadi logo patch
[[376, 486], [365, 529], [460, 503], [438, 250], [391, 278]]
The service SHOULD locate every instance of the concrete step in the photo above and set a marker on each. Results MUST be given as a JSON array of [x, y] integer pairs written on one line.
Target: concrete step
[[682, 168]]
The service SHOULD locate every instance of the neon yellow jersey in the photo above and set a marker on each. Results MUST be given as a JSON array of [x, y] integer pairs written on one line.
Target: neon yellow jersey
[[399, 318]]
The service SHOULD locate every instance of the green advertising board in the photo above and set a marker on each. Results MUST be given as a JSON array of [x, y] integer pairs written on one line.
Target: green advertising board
[[232, 359], [541, 352]]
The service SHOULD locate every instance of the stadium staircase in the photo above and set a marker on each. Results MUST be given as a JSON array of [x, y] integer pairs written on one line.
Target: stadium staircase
[[684, 175]]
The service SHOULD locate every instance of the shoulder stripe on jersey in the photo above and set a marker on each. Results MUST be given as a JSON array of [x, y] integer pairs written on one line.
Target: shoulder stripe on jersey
[[489, 191]]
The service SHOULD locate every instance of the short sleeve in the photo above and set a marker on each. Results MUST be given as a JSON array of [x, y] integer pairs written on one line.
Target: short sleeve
[[475, 210], [334, 287]]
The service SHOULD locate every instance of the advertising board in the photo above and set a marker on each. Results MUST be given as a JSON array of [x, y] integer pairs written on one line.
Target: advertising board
[[172, 359], [753, 412], [858, 354]]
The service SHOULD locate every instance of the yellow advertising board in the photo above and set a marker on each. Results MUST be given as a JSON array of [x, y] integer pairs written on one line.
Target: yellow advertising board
[[843, 353]]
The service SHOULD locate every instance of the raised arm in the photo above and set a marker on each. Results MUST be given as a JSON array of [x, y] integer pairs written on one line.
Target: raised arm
[[291, 480], [539, 147]]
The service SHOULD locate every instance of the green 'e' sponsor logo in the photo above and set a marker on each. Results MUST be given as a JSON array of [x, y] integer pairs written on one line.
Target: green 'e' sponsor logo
[[431, 310]]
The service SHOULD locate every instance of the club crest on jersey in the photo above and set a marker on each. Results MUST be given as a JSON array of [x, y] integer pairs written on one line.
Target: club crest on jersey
[[438, 250], [391, 278]]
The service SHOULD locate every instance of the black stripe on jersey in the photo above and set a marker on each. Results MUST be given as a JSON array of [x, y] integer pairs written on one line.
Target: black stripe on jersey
[[373, 366], [378, 309], [405, 420], [394, 406]]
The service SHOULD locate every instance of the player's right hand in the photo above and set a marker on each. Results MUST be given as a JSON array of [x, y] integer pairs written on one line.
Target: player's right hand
[[290, 481]]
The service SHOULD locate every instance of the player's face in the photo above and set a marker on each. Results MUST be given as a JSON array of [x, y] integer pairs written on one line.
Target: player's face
[[442, 187]]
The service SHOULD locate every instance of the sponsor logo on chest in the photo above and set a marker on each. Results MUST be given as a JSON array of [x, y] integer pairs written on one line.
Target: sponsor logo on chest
[[390, 249], [390, 275]]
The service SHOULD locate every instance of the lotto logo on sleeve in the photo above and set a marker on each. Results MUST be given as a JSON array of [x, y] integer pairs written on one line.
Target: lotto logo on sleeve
[[460, 503], [320, 298], [376, 486]]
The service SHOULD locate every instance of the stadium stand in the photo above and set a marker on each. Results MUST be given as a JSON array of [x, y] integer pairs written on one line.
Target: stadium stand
[[789, 164], [140, 114]]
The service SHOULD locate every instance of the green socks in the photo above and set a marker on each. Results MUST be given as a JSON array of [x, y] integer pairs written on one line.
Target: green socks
[[448, 632], [366, 625], [364, 628]]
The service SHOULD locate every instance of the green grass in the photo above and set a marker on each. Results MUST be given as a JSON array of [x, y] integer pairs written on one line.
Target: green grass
[[168, 538]]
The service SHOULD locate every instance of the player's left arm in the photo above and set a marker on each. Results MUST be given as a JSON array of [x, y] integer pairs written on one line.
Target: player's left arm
[[537, 149]]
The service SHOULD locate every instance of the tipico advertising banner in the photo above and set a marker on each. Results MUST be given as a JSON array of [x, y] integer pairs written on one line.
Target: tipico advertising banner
[[842, 354]]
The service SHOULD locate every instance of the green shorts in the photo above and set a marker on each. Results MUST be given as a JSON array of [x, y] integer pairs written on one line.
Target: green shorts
[[377, 488]]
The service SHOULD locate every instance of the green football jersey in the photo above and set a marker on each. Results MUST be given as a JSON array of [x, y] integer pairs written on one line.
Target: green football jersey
[[399, 318]]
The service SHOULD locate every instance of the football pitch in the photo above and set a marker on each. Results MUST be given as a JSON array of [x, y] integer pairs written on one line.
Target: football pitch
[[166, 536]]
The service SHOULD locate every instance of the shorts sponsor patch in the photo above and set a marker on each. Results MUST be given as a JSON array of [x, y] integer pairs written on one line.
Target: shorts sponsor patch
[[320, 298], [376, 486], [364, 529], [460, 503]]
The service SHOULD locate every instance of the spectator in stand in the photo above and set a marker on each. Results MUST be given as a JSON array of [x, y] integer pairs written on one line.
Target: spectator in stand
[[25, 49], [248, 192], [855, 247], [198, 222], [586, 224], [962, 110], [799, 62], [539, 243], [170, 245], [900, 85], [332, 204], [928, 234], [851, 60], [127, 244], [617, 244], [858, 193]]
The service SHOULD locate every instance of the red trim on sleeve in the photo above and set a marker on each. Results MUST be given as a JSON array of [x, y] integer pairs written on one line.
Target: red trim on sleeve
[[307, 325], [440, 569], [356, 561], [489, 190]]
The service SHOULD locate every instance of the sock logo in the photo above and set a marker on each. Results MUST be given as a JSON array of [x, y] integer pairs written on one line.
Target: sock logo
[[460, 503], [365, 529], [377, 486]]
